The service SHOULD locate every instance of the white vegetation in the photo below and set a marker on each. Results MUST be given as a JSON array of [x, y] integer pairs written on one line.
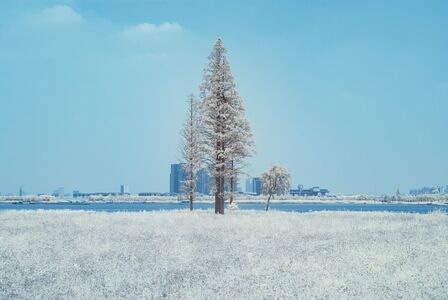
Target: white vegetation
[[173, 255], [275, 181], [226, 132], [191, 147], [233, 206], [28, 198], [439, 199]]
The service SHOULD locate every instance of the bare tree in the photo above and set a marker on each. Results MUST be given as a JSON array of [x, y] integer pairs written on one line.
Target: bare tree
[[191, 147], [276, 181]]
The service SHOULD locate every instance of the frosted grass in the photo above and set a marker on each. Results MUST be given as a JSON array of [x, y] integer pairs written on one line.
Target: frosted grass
[[242, 255]]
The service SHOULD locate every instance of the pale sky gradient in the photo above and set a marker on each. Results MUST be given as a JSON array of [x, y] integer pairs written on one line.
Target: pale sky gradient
[[348, 95]]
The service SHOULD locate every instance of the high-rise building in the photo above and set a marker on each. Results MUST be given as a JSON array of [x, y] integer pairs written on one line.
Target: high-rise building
[[124, 189], [59, 192], [257, 185], [249, 185], [177, 176], [203, 182], [253, 185]]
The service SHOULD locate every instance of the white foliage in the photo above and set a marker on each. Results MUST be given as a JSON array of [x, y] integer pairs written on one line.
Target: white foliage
[[276, 181], [174, 255], [233, 206], [28, 198], [192, 145], [226, 131]]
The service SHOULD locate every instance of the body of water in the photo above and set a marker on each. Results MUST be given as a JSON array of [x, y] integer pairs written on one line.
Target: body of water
[[290, 207]]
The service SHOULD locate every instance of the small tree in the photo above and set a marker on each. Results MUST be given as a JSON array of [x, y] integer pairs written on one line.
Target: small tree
[[276, 180], [191, 147]]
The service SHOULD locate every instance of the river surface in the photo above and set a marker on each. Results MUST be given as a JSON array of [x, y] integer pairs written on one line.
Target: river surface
[[290, 207]]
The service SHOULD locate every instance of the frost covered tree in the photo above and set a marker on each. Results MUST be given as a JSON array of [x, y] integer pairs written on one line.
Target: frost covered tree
[[276, 181], [191, 147], [226, 132], [241, 144]]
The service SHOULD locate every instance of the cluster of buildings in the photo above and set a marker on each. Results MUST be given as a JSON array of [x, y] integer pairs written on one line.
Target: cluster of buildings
[[124, 190], [204, 182], [314, 191], [178, 176], [429, 190]]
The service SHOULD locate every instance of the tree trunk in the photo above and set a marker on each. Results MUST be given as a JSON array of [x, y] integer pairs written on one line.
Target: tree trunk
[[217, 181], [274, 188], [220, 168], [217, 177], [221, 195], [231, 189], [191, 185], [220, 178], [267, 204], [232, 181]]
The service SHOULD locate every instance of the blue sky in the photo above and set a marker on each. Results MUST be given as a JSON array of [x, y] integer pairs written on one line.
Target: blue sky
[[348, 95]]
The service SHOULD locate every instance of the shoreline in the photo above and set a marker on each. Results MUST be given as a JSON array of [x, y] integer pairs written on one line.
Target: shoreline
[[243, 201]]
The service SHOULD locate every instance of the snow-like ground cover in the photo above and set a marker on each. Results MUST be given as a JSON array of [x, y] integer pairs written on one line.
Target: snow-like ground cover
[[241, 255]]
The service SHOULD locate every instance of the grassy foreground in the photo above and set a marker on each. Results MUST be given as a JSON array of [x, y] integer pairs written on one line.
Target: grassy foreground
[[242, 255]]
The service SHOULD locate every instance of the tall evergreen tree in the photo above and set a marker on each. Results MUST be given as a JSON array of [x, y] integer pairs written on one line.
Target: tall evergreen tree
[[191, 147], [226, 132]]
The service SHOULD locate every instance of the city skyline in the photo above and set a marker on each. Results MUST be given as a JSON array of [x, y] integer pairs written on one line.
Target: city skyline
[[350, 96], [252, 186]]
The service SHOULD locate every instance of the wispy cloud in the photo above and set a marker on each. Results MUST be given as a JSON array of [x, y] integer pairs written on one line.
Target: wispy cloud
[[56, 15], [147, 30]]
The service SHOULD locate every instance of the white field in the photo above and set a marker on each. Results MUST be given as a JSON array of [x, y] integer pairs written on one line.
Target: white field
[[241, 255]]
